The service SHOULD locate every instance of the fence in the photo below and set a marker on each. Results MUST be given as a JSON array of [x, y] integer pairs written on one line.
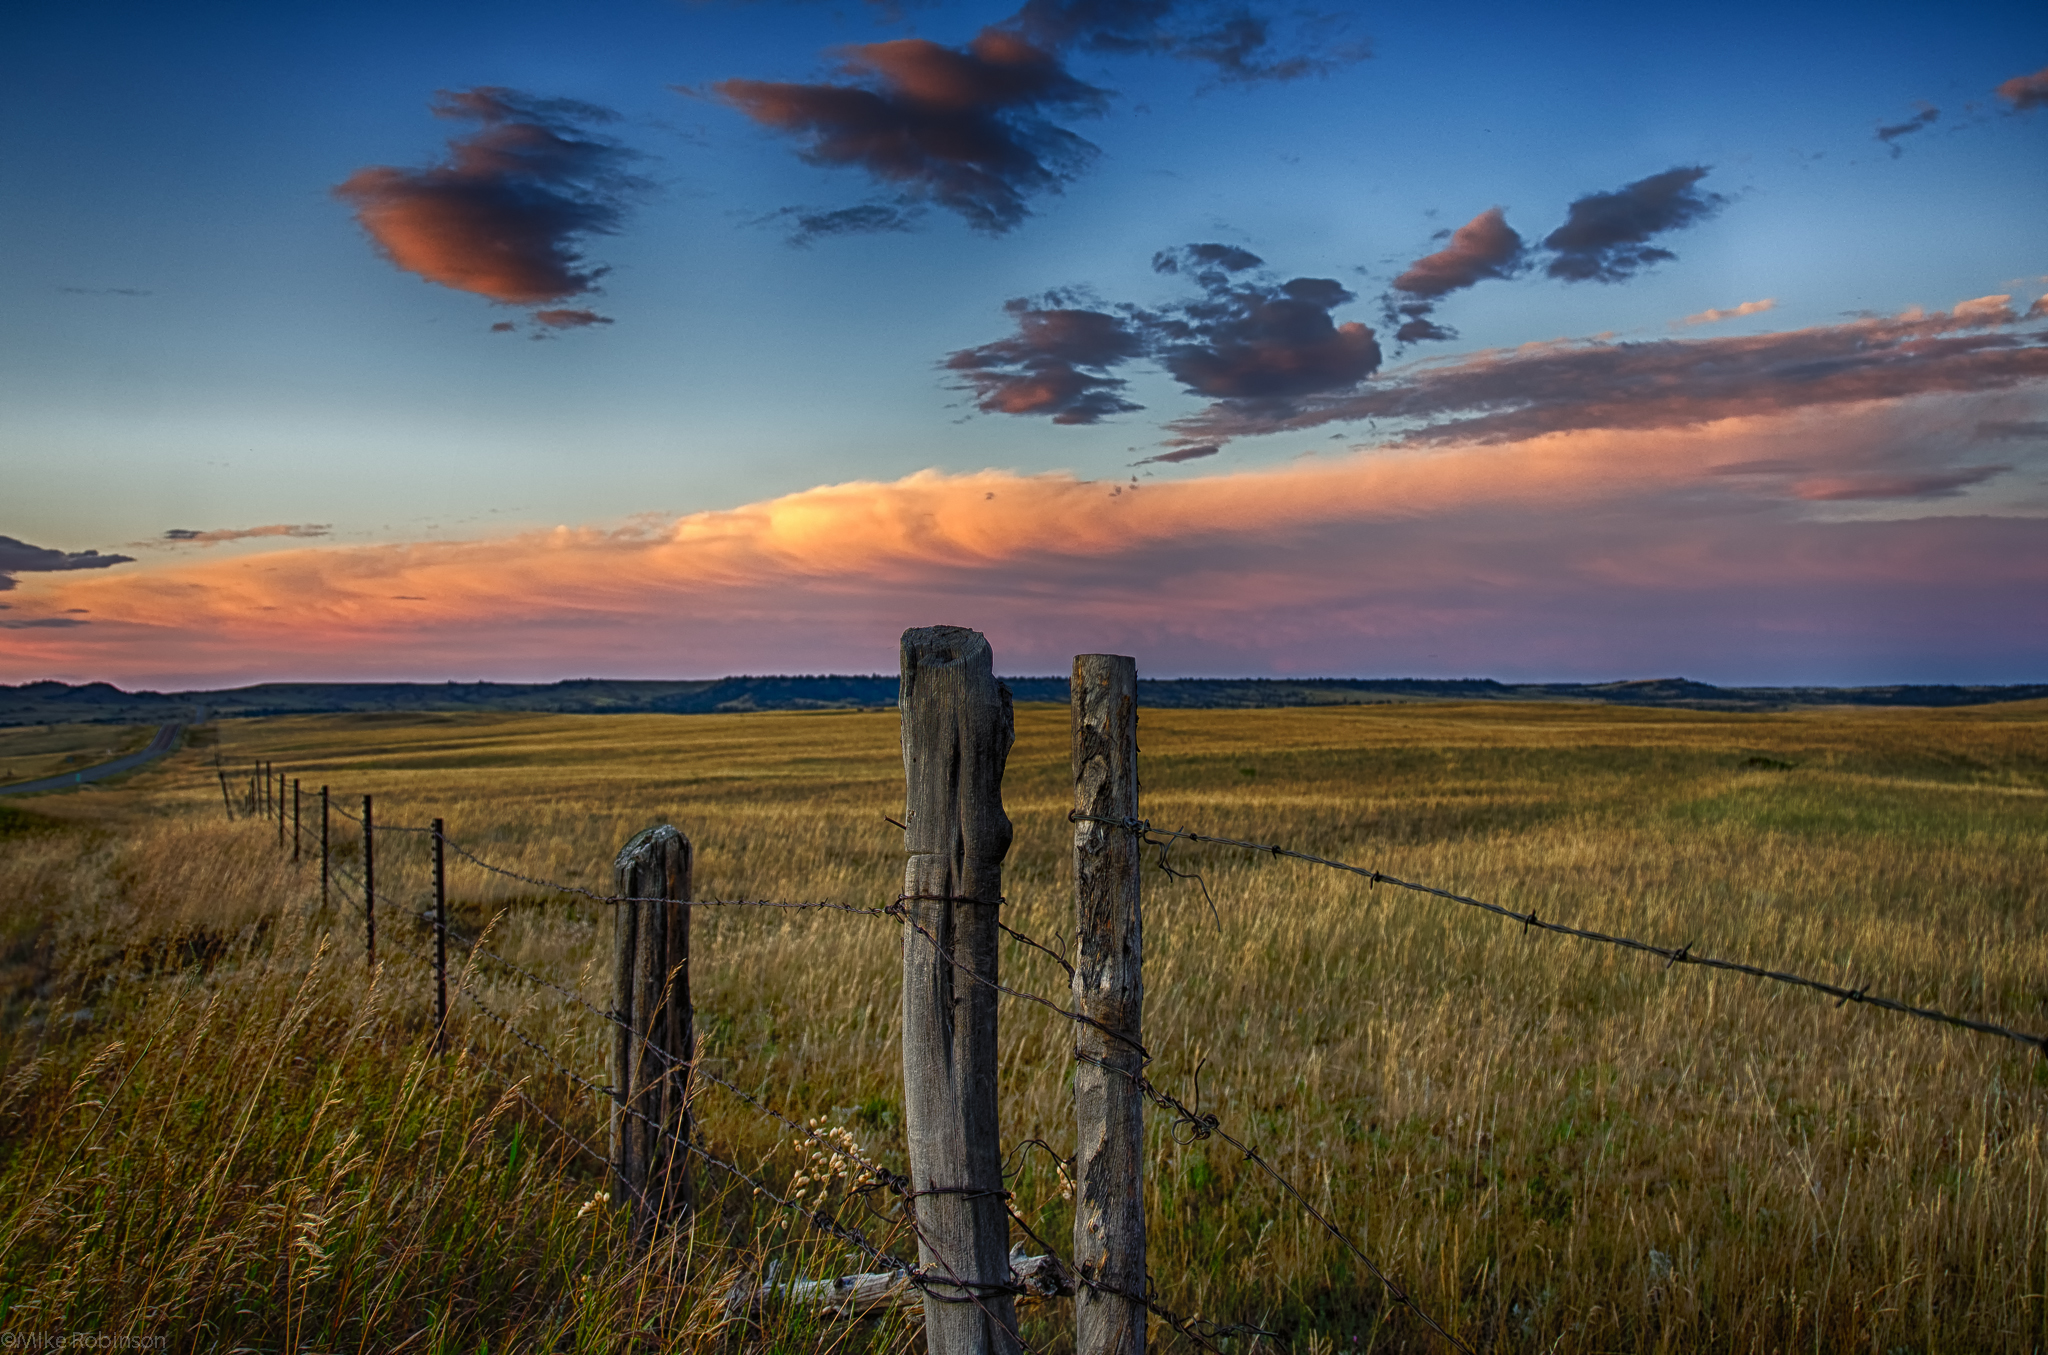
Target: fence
[[957, 732]]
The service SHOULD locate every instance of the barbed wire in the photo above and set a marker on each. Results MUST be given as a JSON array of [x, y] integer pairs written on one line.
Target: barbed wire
[[1204, 1126], [1672, 955]]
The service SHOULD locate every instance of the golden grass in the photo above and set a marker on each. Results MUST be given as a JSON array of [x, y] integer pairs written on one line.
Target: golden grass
[[1555, 1146], [32, 752]]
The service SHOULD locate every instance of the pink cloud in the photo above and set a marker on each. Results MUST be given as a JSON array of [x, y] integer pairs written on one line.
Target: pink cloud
[[1705, 550]]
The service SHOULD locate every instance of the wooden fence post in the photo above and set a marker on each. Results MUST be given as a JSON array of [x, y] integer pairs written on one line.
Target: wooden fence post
[[225, 802], [1109, 988], [652, 1039], [957, 731], [440, 941], [369, 885], [295, 819]]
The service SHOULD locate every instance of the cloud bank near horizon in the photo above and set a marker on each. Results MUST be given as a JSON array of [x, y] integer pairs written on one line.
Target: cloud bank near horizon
[[1867, 541]]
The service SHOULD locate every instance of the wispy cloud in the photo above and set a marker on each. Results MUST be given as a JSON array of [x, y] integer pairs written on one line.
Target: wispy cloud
[[2024, 92], [810, 225], [979, 129], [966, 128], [1058, 363], [1715, 315], [186, 536], [1919, 122], [1581, 384], [1243, 44], [506, 215]]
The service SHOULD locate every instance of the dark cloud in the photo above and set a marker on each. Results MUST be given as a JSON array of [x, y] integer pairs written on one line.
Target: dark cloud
[[1665, 383], [570, 319], [188, 536], [19, 557], [106, 291], [1943, 484], [1825, 483], [1919, 122], [2023, 92], [1484, 247], [505, 214], [2013, 430], [1057, 363], [1207, 264], [43, 623], [1243, 46], [1263, 342], [874, 218], [1179, 454], [965, 128], [503, 327], [1605, 236], [1242, 339]]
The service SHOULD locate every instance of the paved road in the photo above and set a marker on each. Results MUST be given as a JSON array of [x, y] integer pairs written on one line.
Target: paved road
[[165, 739]]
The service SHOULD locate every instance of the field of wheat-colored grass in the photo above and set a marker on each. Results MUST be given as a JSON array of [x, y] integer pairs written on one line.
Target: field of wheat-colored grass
[[217, 1125], [31, 752]]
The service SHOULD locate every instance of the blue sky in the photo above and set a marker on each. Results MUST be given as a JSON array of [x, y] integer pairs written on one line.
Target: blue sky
[[200, 335]]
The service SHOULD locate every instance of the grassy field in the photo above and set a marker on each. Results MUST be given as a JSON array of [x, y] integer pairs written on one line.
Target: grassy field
[[219, 1127], [31, 752]]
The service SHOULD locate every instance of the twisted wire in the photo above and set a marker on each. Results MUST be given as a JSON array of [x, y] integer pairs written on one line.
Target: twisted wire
[[1672, 955]]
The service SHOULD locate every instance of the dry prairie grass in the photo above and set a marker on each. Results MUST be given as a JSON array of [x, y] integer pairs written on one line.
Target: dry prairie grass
[[31, 752], [1555, 1146]]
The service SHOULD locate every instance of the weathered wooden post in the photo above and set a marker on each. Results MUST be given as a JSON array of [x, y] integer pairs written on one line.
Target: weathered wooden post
[[225, 802], [440, 941], [295, 820], [652, 1039], [957, 731], [1109, 988], [369, 885]]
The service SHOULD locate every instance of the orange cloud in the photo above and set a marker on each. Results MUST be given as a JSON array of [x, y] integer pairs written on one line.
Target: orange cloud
[[1713, 316], [1571, 552]]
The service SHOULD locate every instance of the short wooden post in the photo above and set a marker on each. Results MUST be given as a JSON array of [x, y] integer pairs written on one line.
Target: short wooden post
[[957, 731], [295, 820], [225, 802], [323, 847], [369, 884], [440, 941], [1109, 988], [279, 788], [652, 1038]]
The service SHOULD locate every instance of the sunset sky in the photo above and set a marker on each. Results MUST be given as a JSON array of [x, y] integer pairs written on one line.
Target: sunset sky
[[680, 338]]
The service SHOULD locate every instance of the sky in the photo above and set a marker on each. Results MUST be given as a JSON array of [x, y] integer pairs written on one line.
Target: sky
[[683, 338]]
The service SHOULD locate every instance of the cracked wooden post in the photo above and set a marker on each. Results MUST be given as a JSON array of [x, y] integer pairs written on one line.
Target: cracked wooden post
[[652, 1036], [1109, 988], [957, 731]]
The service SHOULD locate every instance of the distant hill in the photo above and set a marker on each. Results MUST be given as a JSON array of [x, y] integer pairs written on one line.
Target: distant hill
[[57, 702]]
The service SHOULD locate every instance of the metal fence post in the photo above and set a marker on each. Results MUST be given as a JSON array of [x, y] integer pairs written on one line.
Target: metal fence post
[[652, 1038], [1109, 990], [957, 732], [440, 942], [369, 884]]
